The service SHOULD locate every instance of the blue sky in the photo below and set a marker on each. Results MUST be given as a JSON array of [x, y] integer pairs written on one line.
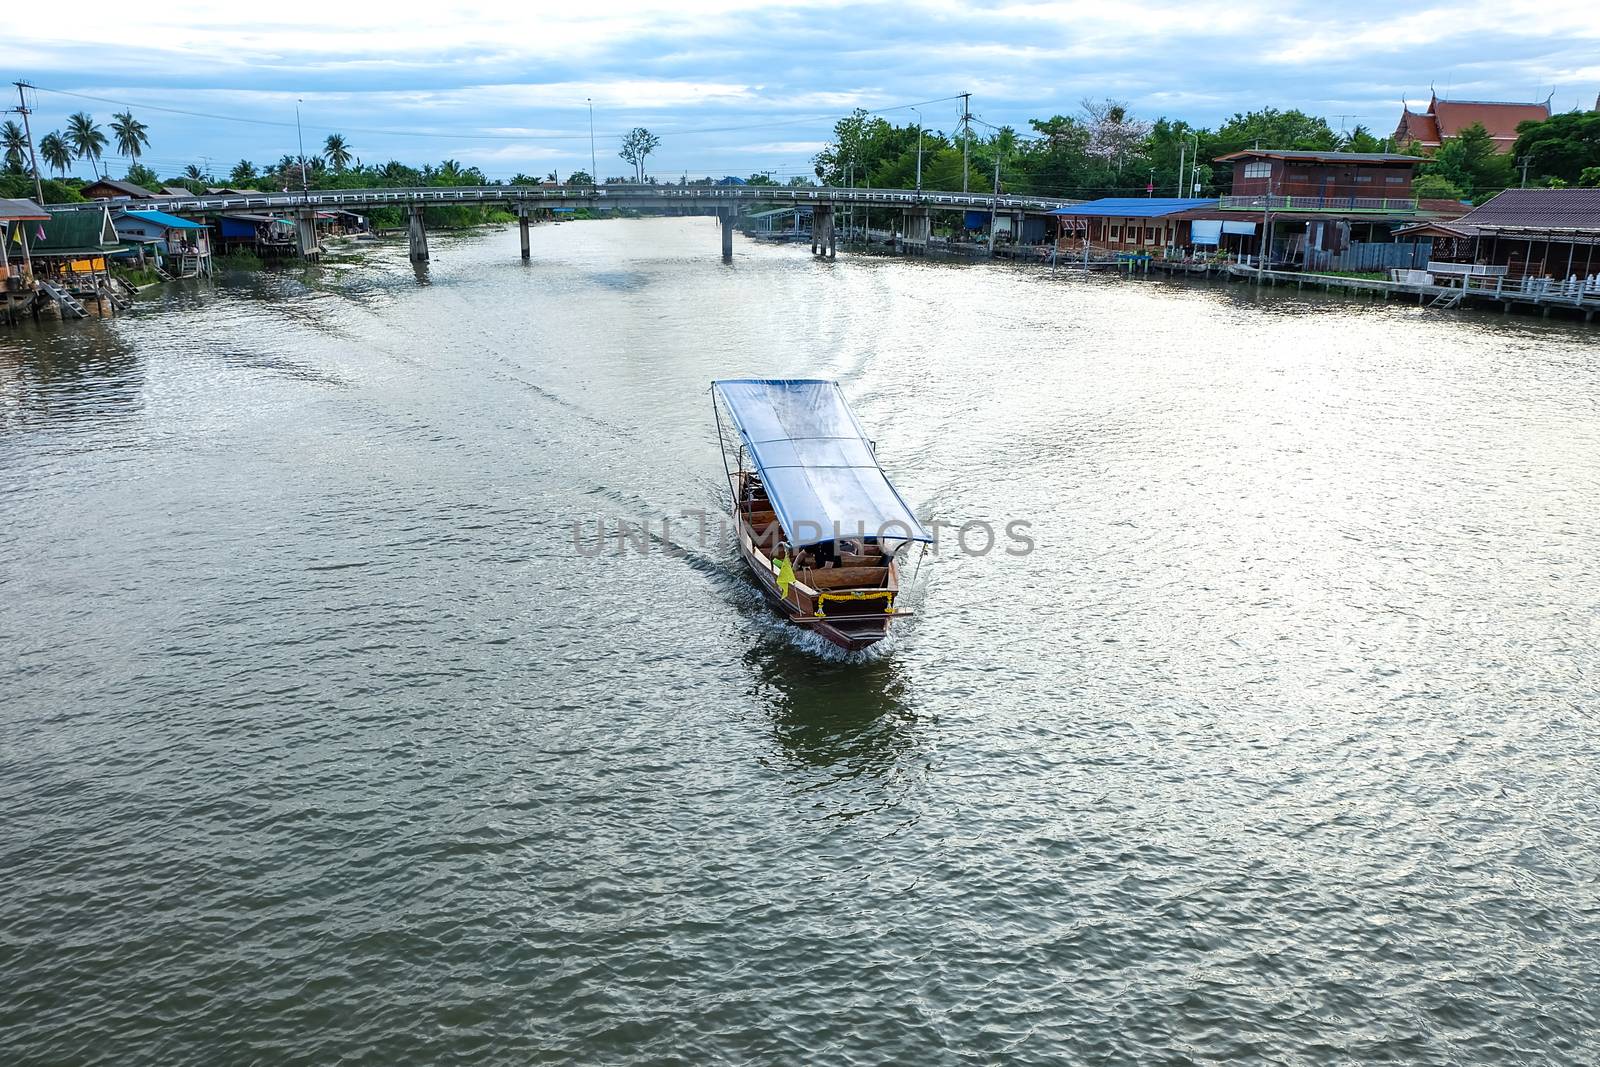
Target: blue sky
[[741, 87]]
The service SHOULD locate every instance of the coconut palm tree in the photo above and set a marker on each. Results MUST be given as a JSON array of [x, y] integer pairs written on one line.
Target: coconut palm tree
[[15, 144], [56, 152], [337, 152], [131, 134], [193, 173], [243, 173], [87, 139]]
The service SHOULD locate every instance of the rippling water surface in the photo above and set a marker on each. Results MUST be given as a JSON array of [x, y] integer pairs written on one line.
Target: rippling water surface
[[320, 744]]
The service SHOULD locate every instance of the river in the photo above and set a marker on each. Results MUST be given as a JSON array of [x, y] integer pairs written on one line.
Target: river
[[320, 742]]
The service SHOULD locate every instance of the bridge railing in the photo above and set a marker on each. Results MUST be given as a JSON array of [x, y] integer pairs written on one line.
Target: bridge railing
[[573, 195]]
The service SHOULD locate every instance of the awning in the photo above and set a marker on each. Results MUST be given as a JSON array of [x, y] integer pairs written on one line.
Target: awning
[[1210, 231], [816, 461], [161, 218]]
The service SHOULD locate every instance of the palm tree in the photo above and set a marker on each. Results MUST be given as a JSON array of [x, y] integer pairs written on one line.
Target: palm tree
[[243, 173], [132, 135], [337, 152], [87, 140], [193, 173], [57, 155], [15, 144]]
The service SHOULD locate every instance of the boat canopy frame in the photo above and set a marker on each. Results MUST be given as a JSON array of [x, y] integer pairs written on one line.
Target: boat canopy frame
[[819, 468]]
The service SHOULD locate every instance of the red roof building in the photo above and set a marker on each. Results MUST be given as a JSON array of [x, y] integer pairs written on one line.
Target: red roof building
[[1445, 119]]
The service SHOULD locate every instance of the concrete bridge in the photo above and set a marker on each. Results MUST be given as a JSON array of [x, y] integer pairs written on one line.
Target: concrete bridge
[[724, 201]]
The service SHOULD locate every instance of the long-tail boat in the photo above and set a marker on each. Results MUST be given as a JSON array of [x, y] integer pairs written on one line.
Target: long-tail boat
[[819, 523]]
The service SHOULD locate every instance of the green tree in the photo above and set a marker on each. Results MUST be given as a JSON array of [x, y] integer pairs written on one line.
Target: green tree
[[56, 152], [141, 175], [1590, 178], [580, 177], [15, 144], [1562, 146], [88, 141], [1437, 187], [636, 146], [336, 152], [1361, 139], [243, 173], [1470, 162], [193, 173], [132, 135]]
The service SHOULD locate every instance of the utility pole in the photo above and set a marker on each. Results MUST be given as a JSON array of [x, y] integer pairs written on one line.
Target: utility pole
[[594, 176], [22, 109], [919, 149], [966, 135], [1266, 232], [994, 201], [1183, 150], [1525, 162]]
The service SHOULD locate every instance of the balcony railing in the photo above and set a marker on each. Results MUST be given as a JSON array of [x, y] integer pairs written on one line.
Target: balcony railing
[[1262, 202]]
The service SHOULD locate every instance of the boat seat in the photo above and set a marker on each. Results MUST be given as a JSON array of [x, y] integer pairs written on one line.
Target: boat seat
[[758, 519], [846, 577]]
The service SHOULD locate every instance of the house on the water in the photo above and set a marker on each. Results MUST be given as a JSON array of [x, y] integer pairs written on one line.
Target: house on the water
[[1321, 210], [19, 226], [1445, 119], [73, 257], [1548, 234], [1139, 224], [180, 247]]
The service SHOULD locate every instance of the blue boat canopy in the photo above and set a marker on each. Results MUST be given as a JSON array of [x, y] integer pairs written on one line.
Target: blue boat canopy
[[161, 218], [816, 461]]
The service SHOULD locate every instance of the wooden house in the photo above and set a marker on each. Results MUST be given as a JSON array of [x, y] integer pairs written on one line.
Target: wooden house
[[112, 189], [1525, 233], [1126, 224], [182, 247]]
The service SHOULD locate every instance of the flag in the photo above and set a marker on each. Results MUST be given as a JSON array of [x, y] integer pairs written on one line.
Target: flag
[[785, 576], [16, 236], [40, 235]]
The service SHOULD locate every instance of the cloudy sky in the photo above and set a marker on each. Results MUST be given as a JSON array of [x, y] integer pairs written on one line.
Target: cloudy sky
[[741, 87]]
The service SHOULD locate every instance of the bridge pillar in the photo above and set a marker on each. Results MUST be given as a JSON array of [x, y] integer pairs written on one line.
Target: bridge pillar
[[305, 233], [522, 226], [725, 219], [916, 229], [419, 236], [822, 237]]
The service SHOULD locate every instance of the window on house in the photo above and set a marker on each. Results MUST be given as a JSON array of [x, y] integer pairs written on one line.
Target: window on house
[[1299, 175], [1116, 233], [1261, 169], [1363, 177], [1149, 235], [1394, 179]]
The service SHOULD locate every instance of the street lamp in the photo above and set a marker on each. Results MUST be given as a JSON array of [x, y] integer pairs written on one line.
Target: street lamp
[[594, 176], [305, 186], [919, 149]]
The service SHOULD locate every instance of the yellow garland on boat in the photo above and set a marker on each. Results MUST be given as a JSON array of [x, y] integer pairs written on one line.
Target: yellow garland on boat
[[785, 572], [856, 594]]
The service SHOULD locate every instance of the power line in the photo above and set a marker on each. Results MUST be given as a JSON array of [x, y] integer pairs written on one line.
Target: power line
[[384, 132]]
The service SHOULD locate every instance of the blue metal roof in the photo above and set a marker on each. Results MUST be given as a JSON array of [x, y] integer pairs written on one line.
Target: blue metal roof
[[1133, 207], [161, 218]]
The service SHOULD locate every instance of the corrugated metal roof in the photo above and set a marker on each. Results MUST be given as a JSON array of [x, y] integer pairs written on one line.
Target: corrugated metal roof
[[1320, 157], [161, 218], [15, 210], [1132, 207], [1565, 209], [75, 232]]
